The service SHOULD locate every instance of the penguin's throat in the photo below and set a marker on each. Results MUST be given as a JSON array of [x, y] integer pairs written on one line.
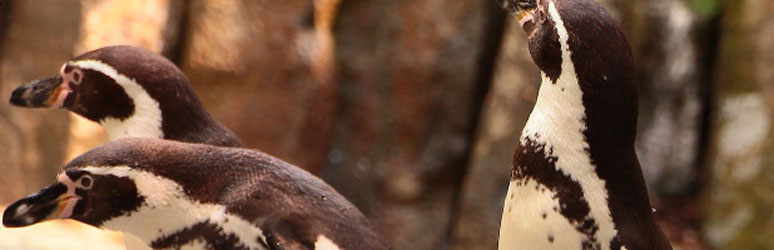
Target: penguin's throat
[[559, 114], [144, 122], [137, 125]]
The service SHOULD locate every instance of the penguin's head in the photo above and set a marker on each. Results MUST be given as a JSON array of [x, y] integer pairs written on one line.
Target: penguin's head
[[86, 195], [593, 40], [523, 10], [110, 182], [125, 89], [127, 181], [110, 82]]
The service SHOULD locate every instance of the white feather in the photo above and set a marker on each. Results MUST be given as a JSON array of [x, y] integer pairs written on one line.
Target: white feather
[[323, 243]]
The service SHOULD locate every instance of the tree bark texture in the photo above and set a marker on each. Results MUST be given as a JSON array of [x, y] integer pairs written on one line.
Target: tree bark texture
[[254, 64], [407, 74]]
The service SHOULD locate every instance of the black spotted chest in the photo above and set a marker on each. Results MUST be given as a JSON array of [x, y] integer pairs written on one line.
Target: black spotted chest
[[534, 161]]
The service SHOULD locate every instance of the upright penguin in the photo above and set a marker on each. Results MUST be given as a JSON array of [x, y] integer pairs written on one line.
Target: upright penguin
[[576, 182], [131, 92], [179, 195]]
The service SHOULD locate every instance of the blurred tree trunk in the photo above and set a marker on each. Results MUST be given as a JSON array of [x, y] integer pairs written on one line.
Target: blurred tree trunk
[[254, 64], [739, 200], [507, 107], [408, 73], [37, 39]]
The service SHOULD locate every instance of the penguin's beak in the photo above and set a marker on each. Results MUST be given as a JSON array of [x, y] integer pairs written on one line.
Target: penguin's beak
[[523, 11], [44, 93], [53, 202]]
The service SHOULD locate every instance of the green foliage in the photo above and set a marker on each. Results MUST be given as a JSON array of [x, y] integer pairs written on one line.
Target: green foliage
[[706, 8]]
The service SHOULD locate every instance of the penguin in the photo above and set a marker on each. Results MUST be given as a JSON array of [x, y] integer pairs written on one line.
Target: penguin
[[576, 182], [175, 195], [131, 92]]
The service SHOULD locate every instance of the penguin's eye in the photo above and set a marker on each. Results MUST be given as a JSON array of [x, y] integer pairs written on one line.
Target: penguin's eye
[[86, 182], [77, 76]]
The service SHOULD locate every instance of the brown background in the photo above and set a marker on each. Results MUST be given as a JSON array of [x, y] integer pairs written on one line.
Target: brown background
[[411, 108]]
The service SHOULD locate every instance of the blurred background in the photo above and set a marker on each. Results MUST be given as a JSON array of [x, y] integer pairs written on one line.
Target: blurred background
[[412, 109]]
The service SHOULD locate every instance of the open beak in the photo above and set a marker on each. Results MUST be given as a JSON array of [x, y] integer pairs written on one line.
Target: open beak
[[44, 93], [53, 202]]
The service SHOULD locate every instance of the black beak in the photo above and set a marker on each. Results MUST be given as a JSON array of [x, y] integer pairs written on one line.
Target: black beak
[[38, 94], [46, 204]]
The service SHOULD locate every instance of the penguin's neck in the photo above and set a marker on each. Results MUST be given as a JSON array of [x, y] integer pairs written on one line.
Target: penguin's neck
[[194, 124], [189, 124], [146, 121], [558, 116], [184, 118]]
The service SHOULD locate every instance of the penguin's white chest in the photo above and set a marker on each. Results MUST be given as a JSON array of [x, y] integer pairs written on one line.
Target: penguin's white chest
[[531, 220], [539, 211]]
